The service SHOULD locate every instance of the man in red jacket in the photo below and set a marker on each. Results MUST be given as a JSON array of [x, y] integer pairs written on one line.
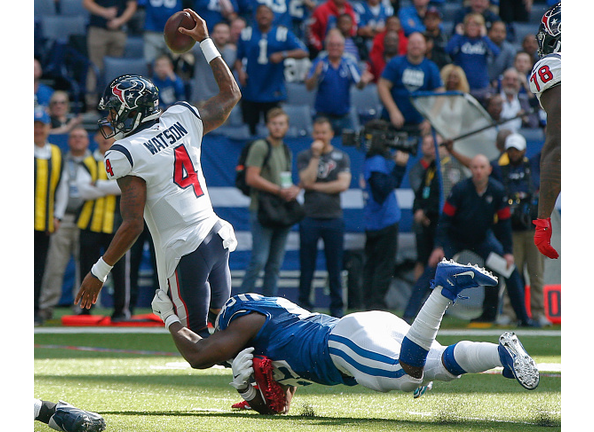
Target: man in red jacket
[[324, 18]]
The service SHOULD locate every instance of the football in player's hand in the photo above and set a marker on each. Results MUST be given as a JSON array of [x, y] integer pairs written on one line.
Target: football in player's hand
[[177, 42]]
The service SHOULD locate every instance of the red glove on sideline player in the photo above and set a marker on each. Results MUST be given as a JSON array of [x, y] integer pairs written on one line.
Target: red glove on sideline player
[[542, 238]]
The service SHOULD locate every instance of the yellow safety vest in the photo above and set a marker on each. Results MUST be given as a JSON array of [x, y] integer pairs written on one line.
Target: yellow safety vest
[[98, 215], [48, 173]]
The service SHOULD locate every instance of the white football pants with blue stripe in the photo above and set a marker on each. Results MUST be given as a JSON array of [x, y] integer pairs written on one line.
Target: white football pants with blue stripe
[[366, 346]]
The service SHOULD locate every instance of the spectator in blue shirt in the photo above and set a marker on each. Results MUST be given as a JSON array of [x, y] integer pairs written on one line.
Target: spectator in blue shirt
[[171, 87], [156, 15], [382, 172], [280, 9], [215, 11], [372, 17], [404, 75], [471, 50], [333, 73], [475, 6], [411, 17], [261, 51]]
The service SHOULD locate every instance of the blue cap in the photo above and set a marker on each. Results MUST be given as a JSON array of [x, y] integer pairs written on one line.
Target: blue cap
[[42, 116]]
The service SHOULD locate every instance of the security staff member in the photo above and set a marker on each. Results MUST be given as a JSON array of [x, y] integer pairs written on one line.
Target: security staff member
[[51, 197]]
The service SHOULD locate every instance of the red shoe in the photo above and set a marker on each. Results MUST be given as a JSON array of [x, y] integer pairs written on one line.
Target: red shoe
[[243, 405]]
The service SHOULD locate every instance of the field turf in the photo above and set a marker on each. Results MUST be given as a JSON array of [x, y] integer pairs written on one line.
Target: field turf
[[138, 382]]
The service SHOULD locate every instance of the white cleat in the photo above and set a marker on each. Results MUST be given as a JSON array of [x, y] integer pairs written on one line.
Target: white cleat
[[516, 361]]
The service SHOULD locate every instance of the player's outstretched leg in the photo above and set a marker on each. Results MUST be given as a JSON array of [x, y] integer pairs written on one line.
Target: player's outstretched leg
[[450, 279], [68, 418], [516, 361]]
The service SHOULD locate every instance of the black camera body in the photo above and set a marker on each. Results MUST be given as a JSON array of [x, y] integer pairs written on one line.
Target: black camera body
[[378, 134]]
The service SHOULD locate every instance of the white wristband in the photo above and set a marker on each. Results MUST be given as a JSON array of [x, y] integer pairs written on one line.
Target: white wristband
[[170, 320], [249, 394], [101, 269], [209, 50]]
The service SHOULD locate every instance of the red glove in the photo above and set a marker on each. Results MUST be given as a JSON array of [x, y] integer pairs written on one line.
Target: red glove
[[542, 238], [271, 391]]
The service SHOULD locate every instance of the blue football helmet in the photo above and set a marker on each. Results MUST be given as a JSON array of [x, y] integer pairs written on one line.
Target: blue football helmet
[[131, 100], [549, 32]]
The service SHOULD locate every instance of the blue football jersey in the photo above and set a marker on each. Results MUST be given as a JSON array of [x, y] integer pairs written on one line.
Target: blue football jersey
[[266, 82], [157, 12], [295, 339]]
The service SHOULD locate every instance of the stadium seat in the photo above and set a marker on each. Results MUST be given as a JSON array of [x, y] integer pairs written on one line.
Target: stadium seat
[[536, 13], [73, 8], [113, 67], [366, 102], [134, 47], [297, 94], [523, 29], [44, 8], [55, 27], [300, 121]]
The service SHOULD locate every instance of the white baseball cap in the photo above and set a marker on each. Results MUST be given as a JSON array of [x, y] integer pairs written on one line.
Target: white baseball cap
[[516, 141]]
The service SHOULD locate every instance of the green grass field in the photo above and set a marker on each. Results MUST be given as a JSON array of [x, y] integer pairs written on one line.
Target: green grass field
[[139, 383]]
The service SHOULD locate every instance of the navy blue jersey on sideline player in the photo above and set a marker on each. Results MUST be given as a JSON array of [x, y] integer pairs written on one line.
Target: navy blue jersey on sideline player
[[294, 338]]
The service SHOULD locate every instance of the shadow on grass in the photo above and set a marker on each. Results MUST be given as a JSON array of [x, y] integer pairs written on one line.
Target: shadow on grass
[[450, 422]]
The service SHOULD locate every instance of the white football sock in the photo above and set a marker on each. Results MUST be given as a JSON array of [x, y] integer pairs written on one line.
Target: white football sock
[[475, 357], [424, 328]]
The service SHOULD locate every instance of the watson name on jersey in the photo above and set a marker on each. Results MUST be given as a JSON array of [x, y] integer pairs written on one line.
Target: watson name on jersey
[[166, 154]]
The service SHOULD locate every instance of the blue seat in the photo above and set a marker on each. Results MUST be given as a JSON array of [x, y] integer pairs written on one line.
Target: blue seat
[[300, 120], [366, 102], [134, 47], [113, 67], [59, 27], [44, 8], [73, 8], [297, 94], [523, 29]]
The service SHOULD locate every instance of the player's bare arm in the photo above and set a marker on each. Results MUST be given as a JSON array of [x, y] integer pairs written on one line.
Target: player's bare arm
[[219, 347], [550, 160], [216, 110], [132, 209]]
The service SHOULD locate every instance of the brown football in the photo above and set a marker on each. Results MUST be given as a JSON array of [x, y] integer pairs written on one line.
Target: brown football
[[177, 42]]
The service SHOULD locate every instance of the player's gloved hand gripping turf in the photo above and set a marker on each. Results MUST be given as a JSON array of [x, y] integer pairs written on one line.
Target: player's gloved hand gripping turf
[[242, 368], [163, 307], [542, 238]]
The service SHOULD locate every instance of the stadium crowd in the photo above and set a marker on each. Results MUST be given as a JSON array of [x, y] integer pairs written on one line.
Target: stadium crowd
[[320, 54]]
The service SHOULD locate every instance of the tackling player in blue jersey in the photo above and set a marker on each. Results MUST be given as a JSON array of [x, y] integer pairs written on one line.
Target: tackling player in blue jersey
[[375, 349]]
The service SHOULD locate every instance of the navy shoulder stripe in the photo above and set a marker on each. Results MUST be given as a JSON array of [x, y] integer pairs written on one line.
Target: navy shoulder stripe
[[188, 106], [124, 151]]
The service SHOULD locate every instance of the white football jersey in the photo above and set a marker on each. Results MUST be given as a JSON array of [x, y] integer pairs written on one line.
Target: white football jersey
[[546, 73], [178, 210]]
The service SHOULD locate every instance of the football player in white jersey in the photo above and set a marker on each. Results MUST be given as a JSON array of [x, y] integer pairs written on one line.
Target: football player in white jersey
[[156, 161], [374, 349], [545, 83]]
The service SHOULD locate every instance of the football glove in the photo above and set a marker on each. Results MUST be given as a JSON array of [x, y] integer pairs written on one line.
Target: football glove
[[242, 368], [542, 237], [272, 392], [162, 305]]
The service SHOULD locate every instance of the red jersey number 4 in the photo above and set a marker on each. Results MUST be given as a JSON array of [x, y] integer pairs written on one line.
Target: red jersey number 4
[[184, 174]]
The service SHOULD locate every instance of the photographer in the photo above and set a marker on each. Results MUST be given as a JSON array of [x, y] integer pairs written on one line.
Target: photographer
[[521, 185], [383, 172]]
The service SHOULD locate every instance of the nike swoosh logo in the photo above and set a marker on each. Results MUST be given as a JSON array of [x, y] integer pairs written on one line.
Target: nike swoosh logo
[[466, 273]]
